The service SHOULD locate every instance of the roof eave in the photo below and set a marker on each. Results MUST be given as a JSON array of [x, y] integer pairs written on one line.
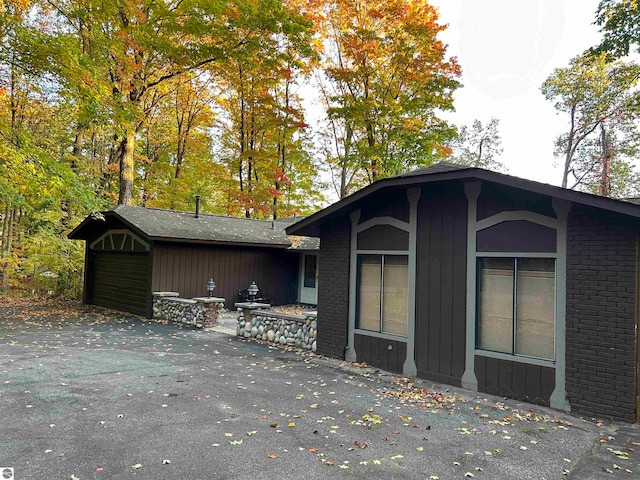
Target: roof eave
[[310, 226]]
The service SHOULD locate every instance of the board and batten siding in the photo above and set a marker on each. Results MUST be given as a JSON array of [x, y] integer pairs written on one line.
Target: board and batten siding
[[185, 268], [441, 283]]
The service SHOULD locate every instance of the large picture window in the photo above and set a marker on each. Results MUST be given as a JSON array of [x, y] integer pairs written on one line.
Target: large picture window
[[382, 293], [516, 306]]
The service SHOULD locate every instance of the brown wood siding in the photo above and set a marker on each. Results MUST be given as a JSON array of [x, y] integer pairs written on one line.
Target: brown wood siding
[[387, 203], [441, 283], [496, 198], [381, 352], [520, 381], [185, 268], [119, 280]]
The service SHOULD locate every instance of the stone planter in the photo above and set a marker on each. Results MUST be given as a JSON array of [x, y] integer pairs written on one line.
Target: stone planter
[[279, 328]]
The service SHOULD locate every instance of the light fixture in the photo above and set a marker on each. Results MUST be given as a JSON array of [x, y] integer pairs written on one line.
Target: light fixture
[[211, 285], [253, 291]]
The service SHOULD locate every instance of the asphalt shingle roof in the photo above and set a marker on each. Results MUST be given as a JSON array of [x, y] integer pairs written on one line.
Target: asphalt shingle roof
[[159, 224]]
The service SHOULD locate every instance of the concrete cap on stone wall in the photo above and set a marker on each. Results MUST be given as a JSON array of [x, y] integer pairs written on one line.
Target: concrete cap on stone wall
[[181, 300], [207, 300], [165, 294], [252, 305]]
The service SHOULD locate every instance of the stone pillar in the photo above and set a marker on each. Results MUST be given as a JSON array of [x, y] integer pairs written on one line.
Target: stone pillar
[[157, 303], [245, 310], [211, 309]]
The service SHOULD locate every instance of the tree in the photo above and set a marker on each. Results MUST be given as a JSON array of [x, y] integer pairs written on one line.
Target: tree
[[479, 145], [384, 77], [130, 49], [620, 27], [598, 96]]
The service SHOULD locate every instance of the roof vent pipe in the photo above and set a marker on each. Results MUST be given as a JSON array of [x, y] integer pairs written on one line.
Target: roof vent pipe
[[197, 206]]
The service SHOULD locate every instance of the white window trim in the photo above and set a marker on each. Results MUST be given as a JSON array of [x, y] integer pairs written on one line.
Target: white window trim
[[127, 233]]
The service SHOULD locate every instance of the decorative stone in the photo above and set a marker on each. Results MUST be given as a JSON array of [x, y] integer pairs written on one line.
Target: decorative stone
[[271, 336]]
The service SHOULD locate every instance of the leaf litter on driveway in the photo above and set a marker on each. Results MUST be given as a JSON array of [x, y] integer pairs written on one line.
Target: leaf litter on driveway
[[132, 383]]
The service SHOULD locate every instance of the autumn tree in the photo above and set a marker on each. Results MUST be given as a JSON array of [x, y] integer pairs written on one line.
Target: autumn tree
[[385, 76], [131, 48], [264, 138], [478, 145], [619, 22], [598, 98]]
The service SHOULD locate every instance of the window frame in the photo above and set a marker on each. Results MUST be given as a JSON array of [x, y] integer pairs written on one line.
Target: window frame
[[514, 356], [379, 333]]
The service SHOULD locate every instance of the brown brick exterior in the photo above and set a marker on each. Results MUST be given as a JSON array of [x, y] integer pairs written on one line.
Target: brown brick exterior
[[333, 288], [601, 313]]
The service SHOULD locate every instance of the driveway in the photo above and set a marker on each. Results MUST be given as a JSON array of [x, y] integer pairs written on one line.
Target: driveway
[[87, 393]]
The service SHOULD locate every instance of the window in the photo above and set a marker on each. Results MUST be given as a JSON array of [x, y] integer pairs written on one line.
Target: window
[[310, 263], [382, 293], [516, 306]]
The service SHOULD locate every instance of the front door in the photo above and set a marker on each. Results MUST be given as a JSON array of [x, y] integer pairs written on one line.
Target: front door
[[309, 278]]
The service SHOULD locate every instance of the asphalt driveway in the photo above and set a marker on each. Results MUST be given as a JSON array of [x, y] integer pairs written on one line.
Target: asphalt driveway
[[87, 393]]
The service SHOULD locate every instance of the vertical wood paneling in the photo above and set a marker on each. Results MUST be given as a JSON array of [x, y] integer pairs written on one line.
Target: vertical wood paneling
[[446, 292], [492, 376], [547, 384], [435, 272], [186, 269], [519, 381], [480, 365], [533, 384], [458, 288], [441, 283], [375, 351], [505, 382]]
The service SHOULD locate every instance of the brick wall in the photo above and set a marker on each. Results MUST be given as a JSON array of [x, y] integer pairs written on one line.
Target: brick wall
[[333, 288], [601, 313]]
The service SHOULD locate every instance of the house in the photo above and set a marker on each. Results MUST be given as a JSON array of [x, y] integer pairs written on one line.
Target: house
[[134, 251], [486, 281]]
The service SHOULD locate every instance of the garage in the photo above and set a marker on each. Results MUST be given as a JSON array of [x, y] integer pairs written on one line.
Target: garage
[[120, 281], [119, 272]]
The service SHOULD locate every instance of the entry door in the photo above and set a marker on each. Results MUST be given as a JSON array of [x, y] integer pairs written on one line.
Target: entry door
[[309, 278]]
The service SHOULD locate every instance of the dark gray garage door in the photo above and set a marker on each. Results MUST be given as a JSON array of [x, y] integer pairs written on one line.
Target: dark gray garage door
[[120, 280]]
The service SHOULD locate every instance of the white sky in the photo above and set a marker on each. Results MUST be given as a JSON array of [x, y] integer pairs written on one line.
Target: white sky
[[507, 49]]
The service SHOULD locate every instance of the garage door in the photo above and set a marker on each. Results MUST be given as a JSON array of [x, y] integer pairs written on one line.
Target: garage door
[[120, 281], [119, 273]]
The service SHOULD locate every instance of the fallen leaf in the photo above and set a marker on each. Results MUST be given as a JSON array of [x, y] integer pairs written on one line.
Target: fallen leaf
[[235, 442], [136, 466], [469, 474], [166, 462], [271, 455]]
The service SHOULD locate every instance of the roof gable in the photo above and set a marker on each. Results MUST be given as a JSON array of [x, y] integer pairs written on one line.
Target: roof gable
[[443, 172]]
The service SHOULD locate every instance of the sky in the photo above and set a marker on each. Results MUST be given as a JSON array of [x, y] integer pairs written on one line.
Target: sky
[[507, 49]]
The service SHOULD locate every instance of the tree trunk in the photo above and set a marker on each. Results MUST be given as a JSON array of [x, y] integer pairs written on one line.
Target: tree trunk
[[126, 168], [604, 187], [569, 150], [5, 249]]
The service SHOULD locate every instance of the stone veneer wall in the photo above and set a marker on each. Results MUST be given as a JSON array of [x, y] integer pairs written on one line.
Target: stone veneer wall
[[197, 312], [279, 328], [601, 314]]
